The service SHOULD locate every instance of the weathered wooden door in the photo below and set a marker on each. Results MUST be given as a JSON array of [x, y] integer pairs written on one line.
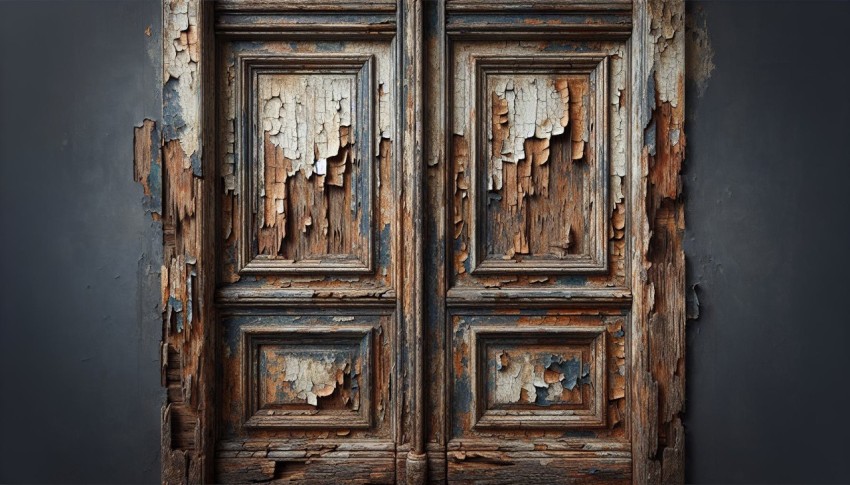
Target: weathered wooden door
[[423, 240]]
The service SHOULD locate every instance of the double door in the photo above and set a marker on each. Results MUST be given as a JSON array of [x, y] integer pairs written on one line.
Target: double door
[[423, 242]]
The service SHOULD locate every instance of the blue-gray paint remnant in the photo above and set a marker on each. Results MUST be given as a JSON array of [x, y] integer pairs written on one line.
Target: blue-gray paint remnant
[[574, 372], [174, 313], [173, 123], [172, 111], [573, 280], [386, 247]]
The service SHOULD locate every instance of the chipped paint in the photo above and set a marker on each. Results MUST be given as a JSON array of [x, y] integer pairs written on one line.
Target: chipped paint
[[308, 135], [147, 166], [529, 110], [288, 378], [305, 117], [181, 77]]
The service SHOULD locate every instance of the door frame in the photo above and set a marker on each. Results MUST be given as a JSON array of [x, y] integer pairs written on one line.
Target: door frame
[[172, 163]]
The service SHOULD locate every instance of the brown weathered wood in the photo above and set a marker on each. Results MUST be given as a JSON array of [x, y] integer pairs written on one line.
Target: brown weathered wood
[[659, 285], [420, 241], [187, 220]]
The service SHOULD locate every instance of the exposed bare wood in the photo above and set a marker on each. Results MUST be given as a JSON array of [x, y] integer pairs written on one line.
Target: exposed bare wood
[[147, 165]]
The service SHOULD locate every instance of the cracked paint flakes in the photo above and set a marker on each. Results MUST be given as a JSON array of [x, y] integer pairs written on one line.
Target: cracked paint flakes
[[300, 378], [526, 109], [523, 107], [181, 57], [307, 129], [304, 115], [619, 125], [541, 378]]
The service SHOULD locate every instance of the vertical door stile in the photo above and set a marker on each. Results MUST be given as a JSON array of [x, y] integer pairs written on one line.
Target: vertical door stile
[[412, 299]]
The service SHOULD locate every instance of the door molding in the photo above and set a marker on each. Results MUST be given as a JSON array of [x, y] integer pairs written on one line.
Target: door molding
[[174, 161]]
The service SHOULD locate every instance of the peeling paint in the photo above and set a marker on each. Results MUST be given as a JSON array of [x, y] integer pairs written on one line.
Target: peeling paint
[[289, 378], [659, 286], [305, 116], [181, 58]]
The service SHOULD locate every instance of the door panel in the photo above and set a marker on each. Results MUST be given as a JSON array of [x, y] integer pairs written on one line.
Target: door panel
[[307, 168], [307, 327], [530, 209], [533, 205]]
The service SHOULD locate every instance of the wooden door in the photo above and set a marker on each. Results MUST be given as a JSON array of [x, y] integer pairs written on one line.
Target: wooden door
[[423, 241]]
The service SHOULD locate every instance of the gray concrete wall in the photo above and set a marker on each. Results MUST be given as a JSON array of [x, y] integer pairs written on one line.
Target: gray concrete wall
[[79, 331]]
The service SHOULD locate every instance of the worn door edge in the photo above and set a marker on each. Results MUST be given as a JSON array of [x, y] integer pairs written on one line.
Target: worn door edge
[[658, 275], [176, 174]]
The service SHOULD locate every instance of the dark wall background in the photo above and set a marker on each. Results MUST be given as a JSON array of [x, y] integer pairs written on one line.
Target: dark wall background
[[79, 351], [766, 183]]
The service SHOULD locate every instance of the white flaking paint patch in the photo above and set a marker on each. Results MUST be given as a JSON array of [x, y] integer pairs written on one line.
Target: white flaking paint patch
[[181, 55], [619, 124], [385, 104], [533, 107], [669, 49], [462, 64], [307, 378], [304, 114], [512, 376]]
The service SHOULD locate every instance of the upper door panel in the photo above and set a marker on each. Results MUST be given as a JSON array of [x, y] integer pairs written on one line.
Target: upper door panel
[[308, 168], [538, 176]]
